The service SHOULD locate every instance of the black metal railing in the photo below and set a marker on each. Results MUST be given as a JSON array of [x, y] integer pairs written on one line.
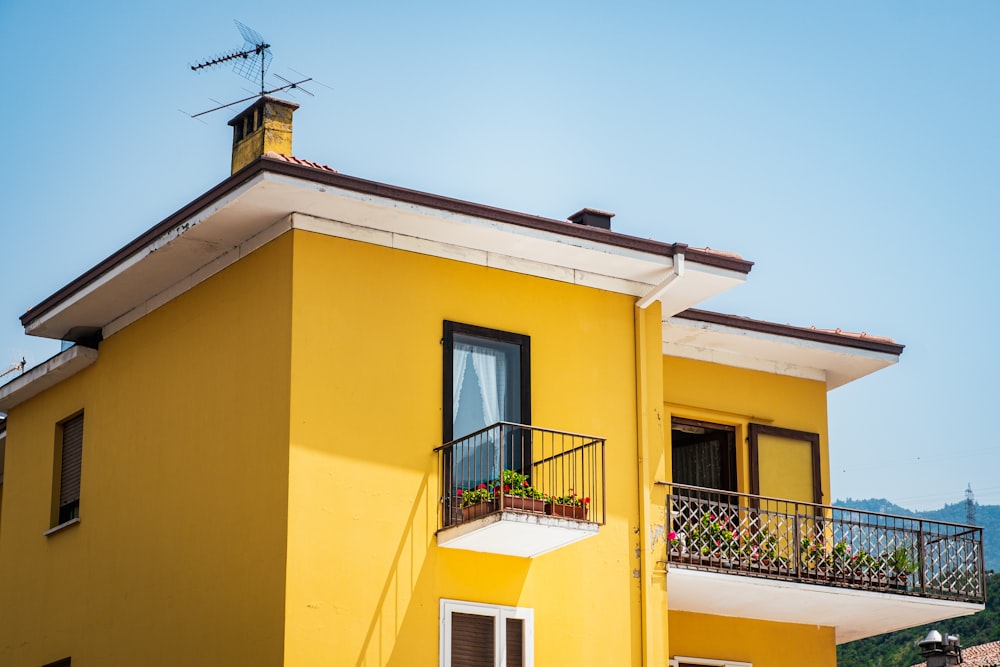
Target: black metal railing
[[821, 544], [510, 467]]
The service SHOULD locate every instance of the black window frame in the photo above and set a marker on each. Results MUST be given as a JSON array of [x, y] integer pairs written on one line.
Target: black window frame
[[448, 344]]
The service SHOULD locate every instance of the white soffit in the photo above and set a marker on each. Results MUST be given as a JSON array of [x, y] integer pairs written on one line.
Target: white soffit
[[854, 614], [219, 234], [784, 355], [47, 374]]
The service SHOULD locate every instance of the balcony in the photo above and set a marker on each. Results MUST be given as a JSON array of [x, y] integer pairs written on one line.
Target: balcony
[[518, 490], [734, 554]]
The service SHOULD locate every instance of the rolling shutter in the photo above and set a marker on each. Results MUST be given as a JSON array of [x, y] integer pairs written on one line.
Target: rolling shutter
[[472, 640], [72, 458], [515, 642]]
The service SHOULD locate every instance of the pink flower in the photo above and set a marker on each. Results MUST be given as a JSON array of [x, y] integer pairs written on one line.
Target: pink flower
[[481, 486], [672, 536], [460, 492]]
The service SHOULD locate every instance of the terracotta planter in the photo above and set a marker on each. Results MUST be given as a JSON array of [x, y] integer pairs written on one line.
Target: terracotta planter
[[521, 504], [473, 512], [577, 512]]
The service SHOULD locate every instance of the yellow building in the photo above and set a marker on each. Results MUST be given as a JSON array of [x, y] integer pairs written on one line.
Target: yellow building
[[311, 419]]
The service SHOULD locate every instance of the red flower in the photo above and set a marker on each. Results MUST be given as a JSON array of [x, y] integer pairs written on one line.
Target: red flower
[[586, 501], [460, 492], [524, 483], [481, 486], [506, 488]]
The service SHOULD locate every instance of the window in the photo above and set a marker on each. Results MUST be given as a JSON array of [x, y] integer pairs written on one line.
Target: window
[[474, 634], [703, 454], [680, 661], [486, 380], [3, 452], [68, 459], [785, 463]]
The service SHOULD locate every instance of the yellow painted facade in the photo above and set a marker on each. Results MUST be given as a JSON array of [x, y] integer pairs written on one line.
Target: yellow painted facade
[[755, 642], [179, 555], [259, 485]]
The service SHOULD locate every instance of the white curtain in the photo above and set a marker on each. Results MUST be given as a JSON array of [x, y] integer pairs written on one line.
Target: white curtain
[[490, 369], [460, 359]]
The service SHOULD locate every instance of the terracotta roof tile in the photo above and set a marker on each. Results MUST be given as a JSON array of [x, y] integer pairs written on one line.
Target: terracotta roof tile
[[304, 163], [983, 655], [720, 253], [851, 334]]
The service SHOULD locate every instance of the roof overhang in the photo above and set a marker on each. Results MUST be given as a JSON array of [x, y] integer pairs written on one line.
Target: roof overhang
[[854, 614], [47, 374], [272, 196], [830, 357]]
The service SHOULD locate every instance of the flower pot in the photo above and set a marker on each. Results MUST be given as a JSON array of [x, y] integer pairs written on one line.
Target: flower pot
[[578, 512], [522, 504], [473, 512]]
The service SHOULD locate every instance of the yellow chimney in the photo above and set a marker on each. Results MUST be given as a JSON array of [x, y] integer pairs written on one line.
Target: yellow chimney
[[266, 125]]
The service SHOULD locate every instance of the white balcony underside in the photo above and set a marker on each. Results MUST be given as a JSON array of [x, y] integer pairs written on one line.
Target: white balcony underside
[[516, 534], [855, 614]]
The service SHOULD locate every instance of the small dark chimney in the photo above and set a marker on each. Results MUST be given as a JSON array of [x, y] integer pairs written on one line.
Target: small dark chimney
[[591, 217]]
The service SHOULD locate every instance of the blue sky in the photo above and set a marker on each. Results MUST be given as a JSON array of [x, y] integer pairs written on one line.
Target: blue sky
[[850, 149]]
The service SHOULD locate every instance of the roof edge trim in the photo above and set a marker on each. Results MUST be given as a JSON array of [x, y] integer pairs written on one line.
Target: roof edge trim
[[789, 331], [267, 164], [45, 375]]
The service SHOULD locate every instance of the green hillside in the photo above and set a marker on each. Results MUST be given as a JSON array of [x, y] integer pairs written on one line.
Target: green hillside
[[987, 516], [899, 649]]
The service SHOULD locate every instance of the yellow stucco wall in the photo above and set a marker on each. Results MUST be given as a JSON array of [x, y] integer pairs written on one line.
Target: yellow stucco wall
[[737, 397], [365, 574], [758, 642], [179, 555]]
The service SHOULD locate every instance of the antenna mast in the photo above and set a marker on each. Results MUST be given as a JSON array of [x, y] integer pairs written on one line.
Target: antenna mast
[[970, 506], [19, 366], [253, 57]]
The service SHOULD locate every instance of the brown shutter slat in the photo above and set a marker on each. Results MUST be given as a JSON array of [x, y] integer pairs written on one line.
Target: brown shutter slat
[[72, 459], [471, 640], [515, 642]]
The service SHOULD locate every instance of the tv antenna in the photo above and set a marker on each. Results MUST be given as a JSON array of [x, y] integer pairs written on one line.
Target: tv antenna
[[19, 366], [252, 58]]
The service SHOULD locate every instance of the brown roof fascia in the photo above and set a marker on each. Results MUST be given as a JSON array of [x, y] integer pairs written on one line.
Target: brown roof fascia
[[266, 164], [802, 333]]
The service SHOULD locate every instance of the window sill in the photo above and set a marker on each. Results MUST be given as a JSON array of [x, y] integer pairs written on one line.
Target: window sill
[[62, 526]]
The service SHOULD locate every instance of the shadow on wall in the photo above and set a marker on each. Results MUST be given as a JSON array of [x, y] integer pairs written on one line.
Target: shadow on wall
[[406, 613]]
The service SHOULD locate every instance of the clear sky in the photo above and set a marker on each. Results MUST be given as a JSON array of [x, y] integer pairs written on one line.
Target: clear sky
[[850, 149]]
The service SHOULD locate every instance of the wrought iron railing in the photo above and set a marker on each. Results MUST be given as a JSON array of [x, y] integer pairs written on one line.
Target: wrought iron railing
[[821, 544], [510, 467]]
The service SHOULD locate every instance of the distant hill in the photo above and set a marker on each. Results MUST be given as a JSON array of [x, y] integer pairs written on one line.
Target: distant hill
[[987, 516], [899, 649]]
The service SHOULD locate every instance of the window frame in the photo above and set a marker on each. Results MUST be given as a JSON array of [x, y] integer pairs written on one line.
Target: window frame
[[812, 439], [57, 520], [500, 614], [448, 343], [683, 661]]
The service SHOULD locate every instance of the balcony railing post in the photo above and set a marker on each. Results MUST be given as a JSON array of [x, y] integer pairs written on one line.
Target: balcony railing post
[[797, 542], [921, 558]]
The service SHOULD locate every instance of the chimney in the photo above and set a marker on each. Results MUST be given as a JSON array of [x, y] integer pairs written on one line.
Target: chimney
[[266, 125], [591, 217]]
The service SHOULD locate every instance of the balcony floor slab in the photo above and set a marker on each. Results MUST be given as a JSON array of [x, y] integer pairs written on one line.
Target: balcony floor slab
[[855, 614], [516, 534]]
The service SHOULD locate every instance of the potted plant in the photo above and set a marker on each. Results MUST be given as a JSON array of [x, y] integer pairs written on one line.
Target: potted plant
[[570, 506], [518, 493], [901, 565], [477, 501]]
